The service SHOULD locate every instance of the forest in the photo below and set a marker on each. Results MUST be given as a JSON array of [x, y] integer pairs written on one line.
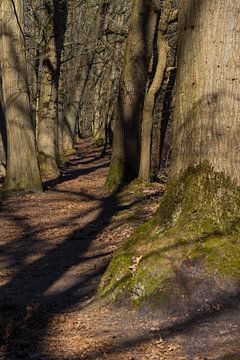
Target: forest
[[120, 179]]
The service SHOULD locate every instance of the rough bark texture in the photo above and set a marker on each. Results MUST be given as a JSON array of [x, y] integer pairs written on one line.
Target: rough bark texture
[[22, 164], [125, 156], [163, 109], [207, 123], [47, 135], [3, 139], [187, 259], [147, 121]]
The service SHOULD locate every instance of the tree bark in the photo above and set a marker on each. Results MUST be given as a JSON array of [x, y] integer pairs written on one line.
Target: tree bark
[[206, 125], [147, 121], [108, 66], [47, 135], [125, 157], [186, 259], [3, 135], [22, 165]]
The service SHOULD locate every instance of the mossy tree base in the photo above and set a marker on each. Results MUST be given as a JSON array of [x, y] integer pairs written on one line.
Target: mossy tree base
[[119, 174], [23, 184], [48, 166], [187, 258], [99, 141], [116, 175]]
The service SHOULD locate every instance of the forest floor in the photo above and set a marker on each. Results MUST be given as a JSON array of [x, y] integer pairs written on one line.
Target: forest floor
[[55, 246]]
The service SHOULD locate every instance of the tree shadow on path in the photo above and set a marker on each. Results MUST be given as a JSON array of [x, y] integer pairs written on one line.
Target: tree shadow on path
[[25, 300]]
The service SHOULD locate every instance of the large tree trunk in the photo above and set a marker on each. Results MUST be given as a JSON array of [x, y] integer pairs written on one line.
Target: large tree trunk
[[126, 142], [47, 134], [206, 126], [22, 165], [187, 258]]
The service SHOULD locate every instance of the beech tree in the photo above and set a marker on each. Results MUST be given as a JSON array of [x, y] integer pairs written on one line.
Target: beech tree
[[147, 121], [22, 165], [108, 62], [47, 128], [90, 19], [126, 142], [3, 140], [187, 257]]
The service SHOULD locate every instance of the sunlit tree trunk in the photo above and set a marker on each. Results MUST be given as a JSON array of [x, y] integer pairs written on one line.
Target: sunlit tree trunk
[[22, 165], [206, 119], [187, 258]]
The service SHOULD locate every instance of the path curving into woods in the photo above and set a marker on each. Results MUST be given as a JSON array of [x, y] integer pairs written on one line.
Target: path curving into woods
[[55, 246]]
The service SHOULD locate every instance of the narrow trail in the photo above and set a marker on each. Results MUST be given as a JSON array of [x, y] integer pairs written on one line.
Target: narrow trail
[[55, 246]]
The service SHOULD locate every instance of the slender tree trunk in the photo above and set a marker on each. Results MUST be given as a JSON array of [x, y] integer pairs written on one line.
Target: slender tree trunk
[[3, 136], [72, 110], [147, 121], [125, 157], [98, 123], [22, 165], [3, 155]]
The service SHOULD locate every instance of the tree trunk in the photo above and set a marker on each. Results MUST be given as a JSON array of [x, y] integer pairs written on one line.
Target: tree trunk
[[72, 110], [3, 135], [147, 121], [108, 65], [22, 165], [47, 136], [187, 258], [125, 157]]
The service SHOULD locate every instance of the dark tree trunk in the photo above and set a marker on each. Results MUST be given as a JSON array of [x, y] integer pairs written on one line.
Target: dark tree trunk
[[126, 142]]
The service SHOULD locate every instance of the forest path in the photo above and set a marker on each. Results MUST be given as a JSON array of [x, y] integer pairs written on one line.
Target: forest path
[[55, 246]]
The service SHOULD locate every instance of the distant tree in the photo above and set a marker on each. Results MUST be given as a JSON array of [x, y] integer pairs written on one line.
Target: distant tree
[[91, 17], [22, 165], [108, 64]]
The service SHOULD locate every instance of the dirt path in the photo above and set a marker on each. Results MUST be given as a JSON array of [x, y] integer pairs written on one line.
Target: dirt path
[[54, 248]]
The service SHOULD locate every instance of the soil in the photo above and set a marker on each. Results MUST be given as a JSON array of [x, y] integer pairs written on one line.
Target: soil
[[54, 247]]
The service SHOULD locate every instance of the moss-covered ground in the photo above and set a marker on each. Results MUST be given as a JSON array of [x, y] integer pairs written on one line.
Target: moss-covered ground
[[188, 255]]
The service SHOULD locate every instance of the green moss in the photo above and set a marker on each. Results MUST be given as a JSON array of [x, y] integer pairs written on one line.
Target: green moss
[[23, 183], [99, 142], [201, 201], [117, 275], [197, 223], [63, 159], [221, 254], [139, 183], [48, 166], [116, 175], [69, 152]]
